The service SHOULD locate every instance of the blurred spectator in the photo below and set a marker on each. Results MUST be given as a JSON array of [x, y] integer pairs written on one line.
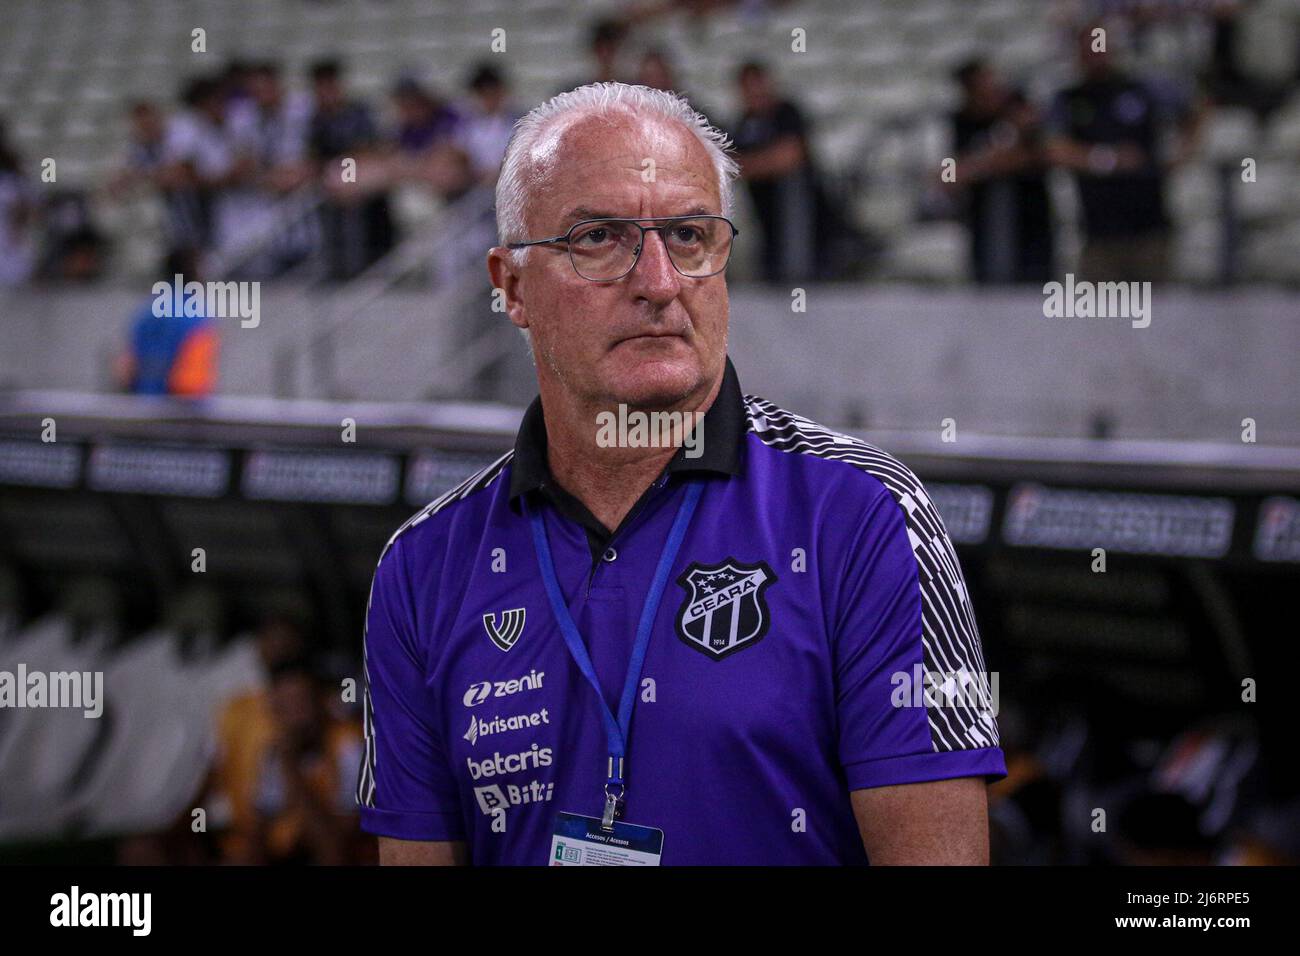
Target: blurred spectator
[[145, 148], [1234, 76], [172, 354], [199, 160], [72, 249], [422, 150], [17, 209], [1107, 129], [273, 124], [1001, 174], [488, 119], [423, 120], [803, 237], [656, 70], [245, 729], [357, 224], [606, 45], [236, 84], [605, 41], [339, 125], [303, 792], [268, 130]]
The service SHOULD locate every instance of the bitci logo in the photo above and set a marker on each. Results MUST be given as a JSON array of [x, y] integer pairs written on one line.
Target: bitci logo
[[496, 797]]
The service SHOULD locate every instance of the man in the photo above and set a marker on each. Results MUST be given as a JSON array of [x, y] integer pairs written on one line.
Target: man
[[199, 163], [300, 793], [772, 147], [1003, 174], [1107, 129], [270, 126], [804, 235], [356, 224], [488, 118], [602, 649], [172, 354]]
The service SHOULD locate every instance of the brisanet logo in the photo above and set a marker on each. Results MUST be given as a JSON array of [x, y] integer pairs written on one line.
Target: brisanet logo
[[478, 727], [482, 690], [103, 909]]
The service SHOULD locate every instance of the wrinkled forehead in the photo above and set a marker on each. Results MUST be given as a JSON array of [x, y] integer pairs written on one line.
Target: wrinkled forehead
[[614, 164]]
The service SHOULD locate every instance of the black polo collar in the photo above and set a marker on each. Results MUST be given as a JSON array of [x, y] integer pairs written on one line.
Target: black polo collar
[[724, 436], [724, 428]]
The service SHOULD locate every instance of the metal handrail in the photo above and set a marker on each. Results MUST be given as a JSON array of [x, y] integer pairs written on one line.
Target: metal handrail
[[414, 252], [287, 210]]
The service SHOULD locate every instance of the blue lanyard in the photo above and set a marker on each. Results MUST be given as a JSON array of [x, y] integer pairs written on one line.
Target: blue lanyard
[[616, 730]]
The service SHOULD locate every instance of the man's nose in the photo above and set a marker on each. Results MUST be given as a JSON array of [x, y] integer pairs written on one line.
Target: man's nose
[[655, 277]]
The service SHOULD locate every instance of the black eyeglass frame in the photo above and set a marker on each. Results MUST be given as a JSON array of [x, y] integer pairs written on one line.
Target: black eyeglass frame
[[668, 222]]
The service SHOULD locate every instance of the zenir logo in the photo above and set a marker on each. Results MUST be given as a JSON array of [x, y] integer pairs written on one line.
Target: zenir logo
[[512, 625]]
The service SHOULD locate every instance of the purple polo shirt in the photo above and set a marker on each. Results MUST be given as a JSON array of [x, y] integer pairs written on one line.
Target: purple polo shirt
[[813, 617]]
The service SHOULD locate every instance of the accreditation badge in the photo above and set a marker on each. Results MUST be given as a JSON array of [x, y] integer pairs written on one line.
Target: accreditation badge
[[582, 841]]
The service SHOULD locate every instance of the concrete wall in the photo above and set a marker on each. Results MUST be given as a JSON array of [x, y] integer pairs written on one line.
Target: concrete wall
[[881, 356]]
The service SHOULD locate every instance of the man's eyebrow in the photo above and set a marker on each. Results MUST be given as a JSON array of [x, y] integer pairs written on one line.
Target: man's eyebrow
[[580, 213]]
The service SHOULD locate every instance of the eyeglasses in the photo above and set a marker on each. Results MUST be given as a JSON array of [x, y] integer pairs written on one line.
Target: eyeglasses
[[603, 250]]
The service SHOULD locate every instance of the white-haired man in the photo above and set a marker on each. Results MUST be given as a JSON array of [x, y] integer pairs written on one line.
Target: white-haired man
[[676, 624]]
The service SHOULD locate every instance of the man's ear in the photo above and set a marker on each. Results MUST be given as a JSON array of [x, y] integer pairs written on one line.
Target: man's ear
[[506, 282]]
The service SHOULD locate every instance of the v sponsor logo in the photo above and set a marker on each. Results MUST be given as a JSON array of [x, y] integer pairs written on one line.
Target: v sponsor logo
[[512, 626]]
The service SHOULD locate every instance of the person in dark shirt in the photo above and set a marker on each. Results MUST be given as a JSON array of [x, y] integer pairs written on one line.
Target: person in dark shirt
[[657, 70], [771, 140], [423, 120], [606, 38], [1001, 174], [356, 223], [1107, 130]]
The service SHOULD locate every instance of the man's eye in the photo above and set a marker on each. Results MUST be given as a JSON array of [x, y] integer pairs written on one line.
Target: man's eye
[[687, 234], [594, 237]]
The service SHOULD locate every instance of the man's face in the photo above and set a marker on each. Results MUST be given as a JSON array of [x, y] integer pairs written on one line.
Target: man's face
[[265, 88], [146, 124], [755, 90], [1094, 63], [490, 97], [986, 91], [653, 338], [293, 702], [328, 92]]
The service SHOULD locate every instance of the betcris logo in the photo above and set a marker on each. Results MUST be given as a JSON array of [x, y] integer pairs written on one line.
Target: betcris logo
[[500, 764], [484, 689]]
